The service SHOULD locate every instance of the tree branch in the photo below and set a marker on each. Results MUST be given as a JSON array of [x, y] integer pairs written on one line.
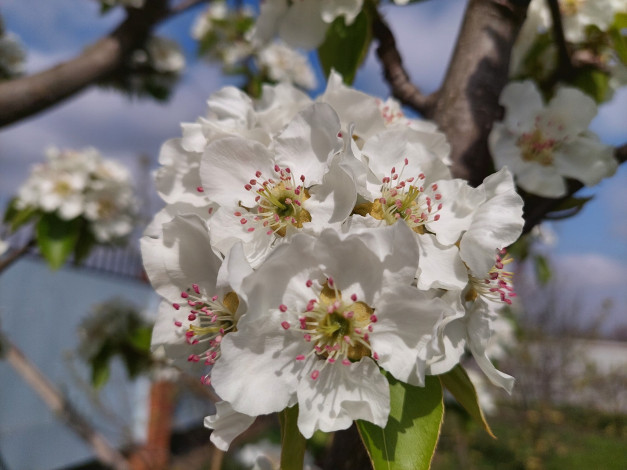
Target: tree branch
[[467, 103], [394, 72], [60, 406], [536, 207], [25, 96], [565, 62], [15, 255]]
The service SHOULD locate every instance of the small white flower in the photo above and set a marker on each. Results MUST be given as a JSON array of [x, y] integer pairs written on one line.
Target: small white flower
[[543, 144], [303, 23], [165, 55], [12, 56], [266, 195], [337, 308], [284, 64], [201, 302]]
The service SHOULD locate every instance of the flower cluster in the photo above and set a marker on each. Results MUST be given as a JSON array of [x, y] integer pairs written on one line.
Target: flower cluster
[[12, 55], [542, 145], [308, 245], [225, 34], [594, 33], [81, 184]]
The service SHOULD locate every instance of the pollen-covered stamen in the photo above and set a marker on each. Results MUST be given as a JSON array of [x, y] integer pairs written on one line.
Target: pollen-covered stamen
[[337, 330], [498, 285], [536, 147], [279, 203], [208, 320], [406, 199]]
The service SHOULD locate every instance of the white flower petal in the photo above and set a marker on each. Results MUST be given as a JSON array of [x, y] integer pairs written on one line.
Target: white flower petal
[[459, 202], [406, 324], [227, 424], [439, 266], [522, 102], [308, 142], [496, 224], [302, 25], [340, 395]]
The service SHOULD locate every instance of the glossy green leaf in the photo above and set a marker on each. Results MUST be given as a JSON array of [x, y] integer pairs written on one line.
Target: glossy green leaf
[[457, 382], [56, 238], [346, 46], [543, 269], [408, 440]]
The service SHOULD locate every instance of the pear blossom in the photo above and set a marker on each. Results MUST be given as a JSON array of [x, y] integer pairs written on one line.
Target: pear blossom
[[266, 195], [337, 308], [303, 23], [284, 64], [12, 55], [165, 55], [200, 303], [544, 144], [75, 183]]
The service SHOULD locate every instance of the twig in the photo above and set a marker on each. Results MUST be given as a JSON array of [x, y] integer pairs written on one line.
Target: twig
[[15, 255], [467, 103], [395, 74], [61, 407], [536, 207], [565, 61], [25, 96]]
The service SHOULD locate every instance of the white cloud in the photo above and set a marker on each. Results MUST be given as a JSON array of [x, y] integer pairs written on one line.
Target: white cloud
[[592, 270]]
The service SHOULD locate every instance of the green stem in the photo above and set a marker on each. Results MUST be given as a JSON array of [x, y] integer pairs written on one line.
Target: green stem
[[292, 441]]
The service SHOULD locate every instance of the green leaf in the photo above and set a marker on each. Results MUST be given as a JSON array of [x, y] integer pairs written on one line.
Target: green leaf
[[573, 203], [140, 338], [293, 444], [84, 244], [18, 217], [100, 371], [620, 21], [543, 269], [345, 47], [619, 43], [459, 384], [408, 440], [56, 238], [593, 82]]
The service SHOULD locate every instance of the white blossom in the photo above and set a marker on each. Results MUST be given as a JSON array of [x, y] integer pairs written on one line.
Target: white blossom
[[543, 144], [165, 55], [81, 183], [338, 307], [303, 23], [284, 64], [12, 55]]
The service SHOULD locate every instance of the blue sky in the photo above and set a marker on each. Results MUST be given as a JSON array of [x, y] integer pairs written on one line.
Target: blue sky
[[123, 129]]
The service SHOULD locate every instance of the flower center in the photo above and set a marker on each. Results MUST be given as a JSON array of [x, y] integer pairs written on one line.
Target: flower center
[[208, 321], [62, 188], [498, 285], [337, 329], [404, 199], [536, 148], [279, 203]]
